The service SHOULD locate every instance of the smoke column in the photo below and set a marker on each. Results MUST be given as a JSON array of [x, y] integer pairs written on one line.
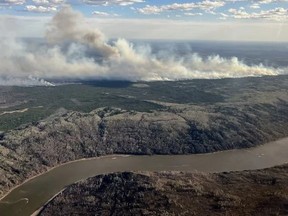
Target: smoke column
[[74, 50]]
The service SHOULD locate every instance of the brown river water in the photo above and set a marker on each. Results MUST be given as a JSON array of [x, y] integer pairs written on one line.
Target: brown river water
[[30, 196]]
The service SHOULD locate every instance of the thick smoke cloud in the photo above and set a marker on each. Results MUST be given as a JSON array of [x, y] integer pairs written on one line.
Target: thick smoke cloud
[[77, 51], [68, 25]]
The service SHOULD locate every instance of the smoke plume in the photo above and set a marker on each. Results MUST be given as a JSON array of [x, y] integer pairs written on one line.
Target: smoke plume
[[74, 50], [68, 25]]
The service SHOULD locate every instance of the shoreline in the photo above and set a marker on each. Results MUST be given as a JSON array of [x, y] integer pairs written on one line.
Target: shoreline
[[62, 164], [38, 211], [129, 155]]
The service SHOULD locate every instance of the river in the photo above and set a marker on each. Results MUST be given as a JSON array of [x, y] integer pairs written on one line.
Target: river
[[30, 196]]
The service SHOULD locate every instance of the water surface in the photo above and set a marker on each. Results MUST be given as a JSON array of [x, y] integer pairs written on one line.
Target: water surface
[[30, 196]]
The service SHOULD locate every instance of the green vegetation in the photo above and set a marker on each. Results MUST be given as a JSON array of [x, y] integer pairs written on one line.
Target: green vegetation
[[183, 117], [142, 96], [44, 101]]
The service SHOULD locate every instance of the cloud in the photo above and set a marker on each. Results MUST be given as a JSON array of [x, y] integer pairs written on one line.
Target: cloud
[[48, 2], [79, 51], [33, 8], [223, 16], [205, 5], [12, 2], [44, 6], [277, 14], [257, 1], [112, 2], [40, 9], [269, 1], [255, 6], [193, 14], [104, 14]]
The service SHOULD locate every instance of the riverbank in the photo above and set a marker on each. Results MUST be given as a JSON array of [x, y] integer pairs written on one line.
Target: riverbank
[[256, 192], [59, 165], [268, 155], [178, 128], [121, 155]]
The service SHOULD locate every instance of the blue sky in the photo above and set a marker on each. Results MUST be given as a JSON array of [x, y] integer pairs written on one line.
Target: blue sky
[[197, 10], [94, 22], [251, 20]]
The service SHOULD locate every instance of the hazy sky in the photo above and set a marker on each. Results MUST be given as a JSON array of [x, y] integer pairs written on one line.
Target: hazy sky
[[77, 46], [258, 20]]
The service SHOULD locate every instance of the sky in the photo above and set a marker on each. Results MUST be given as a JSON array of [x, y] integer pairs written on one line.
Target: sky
[[91, 39], [232, 20]]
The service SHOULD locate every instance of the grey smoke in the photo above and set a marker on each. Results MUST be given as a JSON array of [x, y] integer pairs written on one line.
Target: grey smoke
[[69, 25], [78, 51], [24, 81]]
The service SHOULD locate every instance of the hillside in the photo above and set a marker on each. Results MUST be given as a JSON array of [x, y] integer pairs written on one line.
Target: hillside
[[255, 112], [259, 192]]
